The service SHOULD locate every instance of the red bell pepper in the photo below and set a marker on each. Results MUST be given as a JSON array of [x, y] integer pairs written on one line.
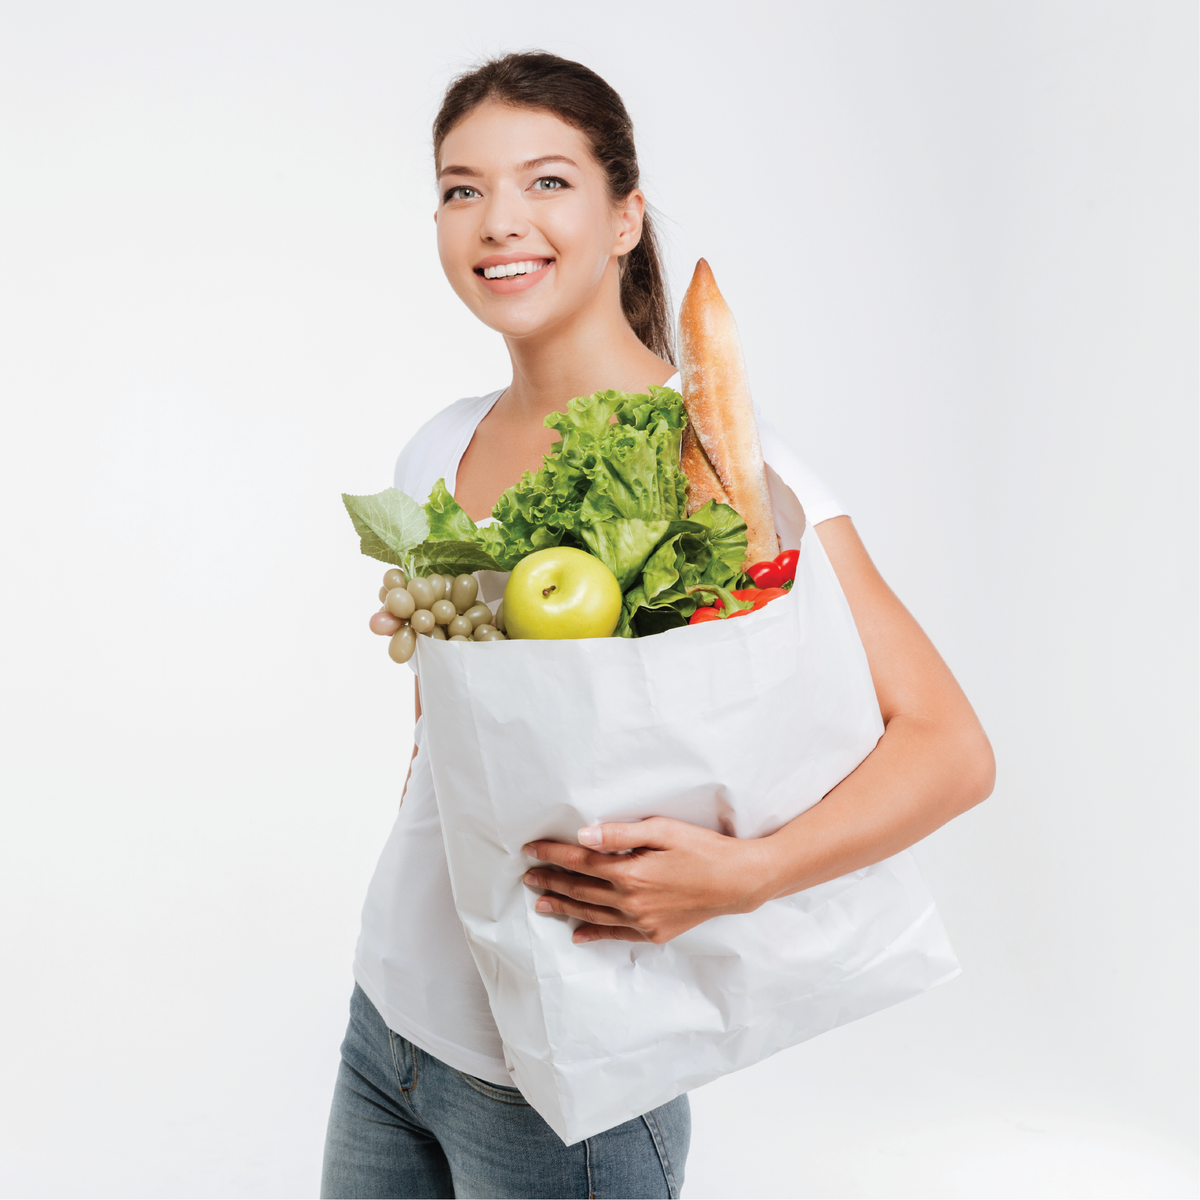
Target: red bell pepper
[[740, 602], [767, 595]]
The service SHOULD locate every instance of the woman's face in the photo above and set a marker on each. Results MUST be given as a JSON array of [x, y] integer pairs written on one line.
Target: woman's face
[[527, 234]]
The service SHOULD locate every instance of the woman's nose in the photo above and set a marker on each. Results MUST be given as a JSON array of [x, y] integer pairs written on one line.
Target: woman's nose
[[504, 217]]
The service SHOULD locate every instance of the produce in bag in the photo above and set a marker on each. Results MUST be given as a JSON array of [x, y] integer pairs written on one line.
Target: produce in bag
[[611, 487], [438, 606]]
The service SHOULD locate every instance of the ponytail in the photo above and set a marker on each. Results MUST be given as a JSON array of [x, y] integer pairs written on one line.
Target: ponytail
[[644, 294]]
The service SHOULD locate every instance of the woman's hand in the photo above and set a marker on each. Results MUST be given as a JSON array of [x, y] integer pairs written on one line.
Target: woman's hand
[[675, 876]]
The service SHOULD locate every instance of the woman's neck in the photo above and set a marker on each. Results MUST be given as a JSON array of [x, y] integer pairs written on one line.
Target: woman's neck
[[595, 351]]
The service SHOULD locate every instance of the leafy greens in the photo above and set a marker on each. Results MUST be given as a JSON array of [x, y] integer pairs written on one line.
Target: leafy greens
[[611, 485]]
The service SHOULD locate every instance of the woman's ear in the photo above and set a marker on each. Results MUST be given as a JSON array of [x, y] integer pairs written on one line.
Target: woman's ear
[[628, 222]]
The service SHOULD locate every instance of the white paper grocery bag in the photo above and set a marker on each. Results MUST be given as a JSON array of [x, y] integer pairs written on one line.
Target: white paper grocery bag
[[735, 725]]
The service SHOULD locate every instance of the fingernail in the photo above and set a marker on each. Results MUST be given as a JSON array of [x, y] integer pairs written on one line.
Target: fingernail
[[591, 835], [543, 905], [532, 878], [531, 851], [580, 936]]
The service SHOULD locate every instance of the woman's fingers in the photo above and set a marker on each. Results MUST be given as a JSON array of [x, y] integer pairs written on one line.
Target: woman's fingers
[[593, 914], [573, 887], [573, 858], [610, 933], [656, 833], [653, 833], [577, 896]]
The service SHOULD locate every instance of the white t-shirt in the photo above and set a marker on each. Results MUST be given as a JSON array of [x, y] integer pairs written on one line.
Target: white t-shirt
[[412, 958]]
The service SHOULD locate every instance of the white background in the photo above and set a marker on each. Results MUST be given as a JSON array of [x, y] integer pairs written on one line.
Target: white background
[[960, 241]]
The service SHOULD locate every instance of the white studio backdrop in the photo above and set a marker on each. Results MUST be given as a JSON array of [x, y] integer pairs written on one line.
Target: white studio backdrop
[[960, 241]]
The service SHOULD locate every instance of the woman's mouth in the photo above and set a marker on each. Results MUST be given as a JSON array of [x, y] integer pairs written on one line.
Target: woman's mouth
[[508, 270], [503, 279]]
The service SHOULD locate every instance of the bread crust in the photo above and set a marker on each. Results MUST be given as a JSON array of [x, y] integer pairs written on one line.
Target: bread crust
[[703, 484], [721, 454]]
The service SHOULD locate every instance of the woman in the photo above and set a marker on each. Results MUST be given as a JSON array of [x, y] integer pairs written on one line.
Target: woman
[[543, 233]]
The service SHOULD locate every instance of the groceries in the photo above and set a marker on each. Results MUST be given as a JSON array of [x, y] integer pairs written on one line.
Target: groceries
[[771, 580], [778, 572], [787, 562], [561, 593], [721, 454], [611, 487], [437, 606], [765, 574], [736, 603]]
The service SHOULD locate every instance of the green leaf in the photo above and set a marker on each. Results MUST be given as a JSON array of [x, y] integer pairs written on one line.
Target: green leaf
[[663, 571], [730, 602], [451, 558], [448, 521], [727, 540], [623, 546], [389, 524]]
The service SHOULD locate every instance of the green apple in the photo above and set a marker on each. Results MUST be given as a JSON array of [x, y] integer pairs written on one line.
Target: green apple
[[561, 593]]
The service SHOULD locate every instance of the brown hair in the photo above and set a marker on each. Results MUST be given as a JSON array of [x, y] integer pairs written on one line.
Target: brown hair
[[583, 100]]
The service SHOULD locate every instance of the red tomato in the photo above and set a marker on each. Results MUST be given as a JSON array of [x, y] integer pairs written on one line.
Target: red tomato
[[786, 562], [705, 614], [766, 574]]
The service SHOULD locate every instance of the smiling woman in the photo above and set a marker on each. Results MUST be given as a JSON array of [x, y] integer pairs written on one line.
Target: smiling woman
[[543, 233]]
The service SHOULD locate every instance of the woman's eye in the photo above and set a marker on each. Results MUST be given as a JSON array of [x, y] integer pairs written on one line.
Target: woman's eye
[[459, 193], [550, 183]]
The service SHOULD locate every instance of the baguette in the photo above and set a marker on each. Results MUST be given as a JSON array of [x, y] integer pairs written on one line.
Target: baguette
[[721, 455]]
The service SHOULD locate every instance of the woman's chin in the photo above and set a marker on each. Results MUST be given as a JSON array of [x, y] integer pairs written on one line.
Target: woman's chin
[[521, 321]]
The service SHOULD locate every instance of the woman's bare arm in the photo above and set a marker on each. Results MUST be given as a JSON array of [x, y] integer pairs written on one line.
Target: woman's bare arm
[[932, 763]]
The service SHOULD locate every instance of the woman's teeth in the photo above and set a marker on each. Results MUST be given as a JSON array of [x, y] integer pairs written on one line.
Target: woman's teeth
[[522, 268]]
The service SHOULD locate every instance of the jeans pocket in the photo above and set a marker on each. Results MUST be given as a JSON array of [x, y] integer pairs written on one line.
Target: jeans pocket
[[494, 1091]]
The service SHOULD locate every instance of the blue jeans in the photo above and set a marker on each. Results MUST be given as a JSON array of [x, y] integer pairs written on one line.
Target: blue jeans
[[403, 1123]]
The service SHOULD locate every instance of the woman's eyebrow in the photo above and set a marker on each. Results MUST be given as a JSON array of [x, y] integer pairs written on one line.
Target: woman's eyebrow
[[534, 163], [531, 165]]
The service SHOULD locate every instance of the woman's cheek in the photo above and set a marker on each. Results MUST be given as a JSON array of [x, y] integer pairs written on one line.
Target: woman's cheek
[[581, 254], [452, 243], [460, 274]]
